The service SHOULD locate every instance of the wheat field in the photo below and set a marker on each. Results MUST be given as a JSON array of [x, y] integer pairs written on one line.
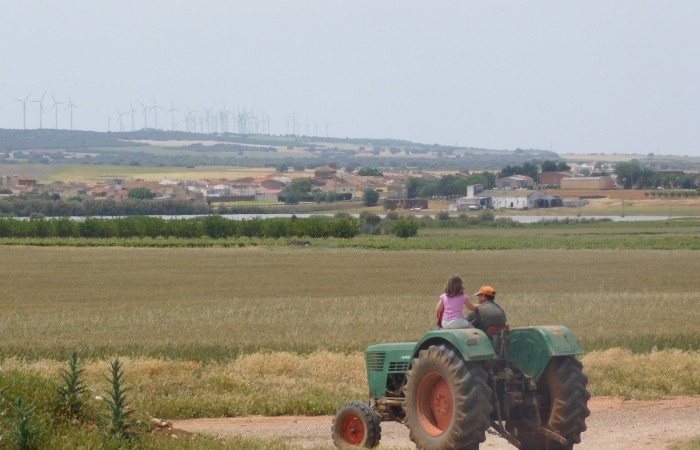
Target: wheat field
[[215, 303], [213, 332]]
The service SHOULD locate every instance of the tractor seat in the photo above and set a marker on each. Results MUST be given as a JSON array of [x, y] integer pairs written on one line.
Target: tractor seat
[[498, 334], [495, 330]]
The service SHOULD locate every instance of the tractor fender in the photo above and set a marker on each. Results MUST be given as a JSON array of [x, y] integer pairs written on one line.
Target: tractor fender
[[531, 348], [471, 343]]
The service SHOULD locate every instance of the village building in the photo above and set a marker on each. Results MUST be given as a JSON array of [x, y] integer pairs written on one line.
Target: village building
[[469, 203], [519, 199], [267, 195], [551, 179], [515, 182], [588, 183]]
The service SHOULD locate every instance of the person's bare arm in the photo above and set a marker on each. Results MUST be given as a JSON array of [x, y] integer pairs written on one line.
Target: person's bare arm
[[468, 303], [440, 307]]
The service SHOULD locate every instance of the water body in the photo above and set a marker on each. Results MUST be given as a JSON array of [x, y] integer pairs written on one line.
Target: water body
[[535, 219], [516, 218]]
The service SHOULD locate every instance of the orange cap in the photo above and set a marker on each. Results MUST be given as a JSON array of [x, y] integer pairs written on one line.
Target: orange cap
[[486, 290]]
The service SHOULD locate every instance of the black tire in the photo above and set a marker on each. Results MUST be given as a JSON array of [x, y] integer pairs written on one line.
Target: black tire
[[563, 401], [356, 425], [447, 401]]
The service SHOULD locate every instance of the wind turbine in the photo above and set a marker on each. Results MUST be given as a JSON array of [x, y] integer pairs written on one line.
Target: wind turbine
[[327, 124], [71, 106], [223, 117], [132, 111], [24, 111], [293, 118], [188, 119], [41, 110], [145, 116], [253, 120], [207, 117], [155, 113], [243, 122], [172, 115], [120, 114], [55, 108]]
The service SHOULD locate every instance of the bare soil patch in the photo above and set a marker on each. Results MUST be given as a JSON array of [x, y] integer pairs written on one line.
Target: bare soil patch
[[613, 424], [613, 194]]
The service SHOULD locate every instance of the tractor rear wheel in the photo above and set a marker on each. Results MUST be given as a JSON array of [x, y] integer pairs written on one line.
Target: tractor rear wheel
[[563, 401], [356, 425], [447, 400]]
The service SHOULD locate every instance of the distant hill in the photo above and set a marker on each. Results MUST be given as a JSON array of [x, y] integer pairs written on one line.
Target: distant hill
[[149, 147]]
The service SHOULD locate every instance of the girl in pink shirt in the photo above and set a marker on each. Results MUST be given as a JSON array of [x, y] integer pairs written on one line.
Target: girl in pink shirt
[[451, 302]]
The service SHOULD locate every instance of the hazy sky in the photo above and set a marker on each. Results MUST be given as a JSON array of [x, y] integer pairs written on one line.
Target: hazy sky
[[571, 76]]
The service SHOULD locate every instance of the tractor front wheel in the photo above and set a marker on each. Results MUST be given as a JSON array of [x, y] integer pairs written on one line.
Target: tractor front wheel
[[356, 425], [447, 400]]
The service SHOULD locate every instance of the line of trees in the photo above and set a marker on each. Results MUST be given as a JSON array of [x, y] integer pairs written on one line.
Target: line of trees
[[448, 186], [24, 207], [210, 226], [633, 175]]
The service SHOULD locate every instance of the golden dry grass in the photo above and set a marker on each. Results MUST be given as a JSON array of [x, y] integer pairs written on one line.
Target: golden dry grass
[[261, 383], [619, 372], [277, 383]]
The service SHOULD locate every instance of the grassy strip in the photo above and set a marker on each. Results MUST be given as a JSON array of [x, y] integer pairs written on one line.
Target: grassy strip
[[282, 383], [462, 241], [690, 444]]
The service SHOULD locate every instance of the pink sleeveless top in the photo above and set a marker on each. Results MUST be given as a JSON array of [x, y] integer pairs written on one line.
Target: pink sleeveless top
[[453, 306]]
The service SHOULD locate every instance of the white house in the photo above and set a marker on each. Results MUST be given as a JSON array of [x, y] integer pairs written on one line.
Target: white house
[[498, 199]]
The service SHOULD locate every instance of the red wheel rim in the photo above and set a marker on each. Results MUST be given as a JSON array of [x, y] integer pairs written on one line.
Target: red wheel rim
[[352, 429], [434, 404]]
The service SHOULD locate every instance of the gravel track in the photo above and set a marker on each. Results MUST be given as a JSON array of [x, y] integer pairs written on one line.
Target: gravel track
[[613, 424]]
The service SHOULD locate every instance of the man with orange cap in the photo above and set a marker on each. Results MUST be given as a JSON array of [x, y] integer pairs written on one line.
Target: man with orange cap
[[488, 312]]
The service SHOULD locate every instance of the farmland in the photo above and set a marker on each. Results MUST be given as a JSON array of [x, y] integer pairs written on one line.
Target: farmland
[[216, 303], [271, 328]]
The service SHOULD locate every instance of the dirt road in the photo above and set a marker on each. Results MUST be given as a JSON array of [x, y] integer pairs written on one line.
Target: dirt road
[[613, 424]]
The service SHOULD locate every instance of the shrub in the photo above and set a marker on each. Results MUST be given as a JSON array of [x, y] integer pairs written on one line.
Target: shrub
[[392, 215], [346, 228], [487, 216], [405, 228], [370, 197], [370, 218], [64, 227], [217, 227]]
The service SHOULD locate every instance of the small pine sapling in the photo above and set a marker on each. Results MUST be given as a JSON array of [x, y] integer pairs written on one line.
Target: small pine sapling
[[72, 391], [119, 421], [24, 432]]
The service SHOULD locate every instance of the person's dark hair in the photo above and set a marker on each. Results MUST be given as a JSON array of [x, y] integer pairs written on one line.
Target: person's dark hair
[[454, 286]]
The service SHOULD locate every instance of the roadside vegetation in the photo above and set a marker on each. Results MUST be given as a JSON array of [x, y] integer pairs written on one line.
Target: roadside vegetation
[[689, 444]]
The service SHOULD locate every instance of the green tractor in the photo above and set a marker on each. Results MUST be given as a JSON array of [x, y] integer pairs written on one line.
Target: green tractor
[[453, 386]]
